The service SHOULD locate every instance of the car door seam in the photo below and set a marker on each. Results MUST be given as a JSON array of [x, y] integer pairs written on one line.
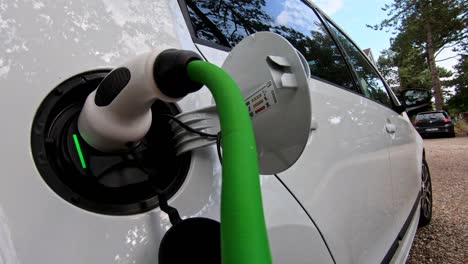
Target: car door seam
[[308, 215]]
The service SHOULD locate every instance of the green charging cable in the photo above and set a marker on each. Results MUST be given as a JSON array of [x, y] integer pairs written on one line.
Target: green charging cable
[[244, 237]]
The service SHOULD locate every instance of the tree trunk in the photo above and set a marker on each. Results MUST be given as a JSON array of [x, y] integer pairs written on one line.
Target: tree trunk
[[437, 86], [401, 81]]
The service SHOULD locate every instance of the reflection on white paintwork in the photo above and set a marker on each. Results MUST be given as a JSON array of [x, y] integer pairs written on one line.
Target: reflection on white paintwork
[[349, 140], [213, 201], [136, 18], [335, 120], [136, 237], [37, 4], [47, 19], [114, 29], [7, 249], [107, 57], [4, 68], [165, 222]]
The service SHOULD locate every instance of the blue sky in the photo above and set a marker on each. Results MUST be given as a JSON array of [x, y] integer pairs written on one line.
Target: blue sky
[[353, 15]]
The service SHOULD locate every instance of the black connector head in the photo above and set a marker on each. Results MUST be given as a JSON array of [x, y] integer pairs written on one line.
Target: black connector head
[[170, 73]]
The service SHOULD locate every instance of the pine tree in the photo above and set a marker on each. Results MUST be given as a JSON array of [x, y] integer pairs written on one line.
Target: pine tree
[[429, 26]]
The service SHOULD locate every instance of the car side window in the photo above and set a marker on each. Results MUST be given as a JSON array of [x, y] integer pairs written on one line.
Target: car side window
[[226, 22], [371, 84]]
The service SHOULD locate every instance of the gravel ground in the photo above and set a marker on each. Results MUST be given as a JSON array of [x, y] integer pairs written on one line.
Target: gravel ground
[[445, 239]]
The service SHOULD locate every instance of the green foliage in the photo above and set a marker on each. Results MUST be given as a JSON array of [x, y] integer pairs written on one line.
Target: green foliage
[[459, 102], [408, 72], [447, 19], [461, 81], [461, 127], [387, 67], [423, 28]]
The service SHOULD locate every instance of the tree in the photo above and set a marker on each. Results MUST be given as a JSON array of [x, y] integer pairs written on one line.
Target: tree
[[388, 69], [408, 69], [413, 68], [228, 22], [461, 81], [429, 26], [459, 102]]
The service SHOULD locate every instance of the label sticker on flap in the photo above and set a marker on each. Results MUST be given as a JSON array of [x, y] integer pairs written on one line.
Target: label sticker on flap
[[262, 99]]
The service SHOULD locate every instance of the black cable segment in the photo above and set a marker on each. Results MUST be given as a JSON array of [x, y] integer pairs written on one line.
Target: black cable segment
[[188, 128], [173, 214]]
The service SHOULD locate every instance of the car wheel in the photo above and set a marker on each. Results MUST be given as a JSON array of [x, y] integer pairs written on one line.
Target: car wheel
[[426, 196]]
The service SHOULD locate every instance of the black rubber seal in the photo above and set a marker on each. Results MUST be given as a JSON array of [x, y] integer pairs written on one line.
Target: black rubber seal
[[171, 75], [112, 184]]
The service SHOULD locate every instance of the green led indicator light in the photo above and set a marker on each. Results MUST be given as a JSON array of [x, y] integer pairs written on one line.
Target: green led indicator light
[[78, 150]]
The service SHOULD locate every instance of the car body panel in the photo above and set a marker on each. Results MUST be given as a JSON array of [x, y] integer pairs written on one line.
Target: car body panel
[[406, 148], [45, 42], [343, 178]]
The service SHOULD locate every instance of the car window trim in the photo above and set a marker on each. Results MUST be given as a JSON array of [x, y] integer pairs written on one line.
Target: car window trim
[[207, 43], [342, 51], [185, 13], [394, 100], [355, 89], [366, 59]]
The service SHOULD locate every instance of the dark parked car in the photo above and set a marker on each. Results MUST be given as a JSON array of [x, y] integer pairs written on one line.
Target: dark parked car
[[434, 123]]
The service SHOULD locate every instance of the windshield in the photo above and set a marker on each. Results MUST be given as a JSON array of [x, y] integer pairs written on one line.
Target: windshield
[[429, 116]]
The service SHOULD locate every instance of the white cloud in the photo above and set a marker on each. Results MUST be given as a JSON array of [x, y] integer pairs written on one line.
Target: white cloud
[[329, 6], [294, 14]]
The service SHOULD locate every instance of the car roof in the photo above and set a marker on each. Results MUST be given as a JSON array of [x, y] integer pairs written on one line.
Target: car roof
[[430, 112]]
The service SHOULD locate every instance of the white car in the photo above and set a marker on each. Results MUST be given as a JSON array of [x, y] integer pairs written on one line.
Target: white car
[[356, 194]]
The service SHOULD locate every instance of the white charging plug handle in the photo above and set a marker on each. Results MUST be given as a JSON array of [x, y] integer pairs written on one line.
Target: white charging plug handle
[[118, 113], [127, 117]]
